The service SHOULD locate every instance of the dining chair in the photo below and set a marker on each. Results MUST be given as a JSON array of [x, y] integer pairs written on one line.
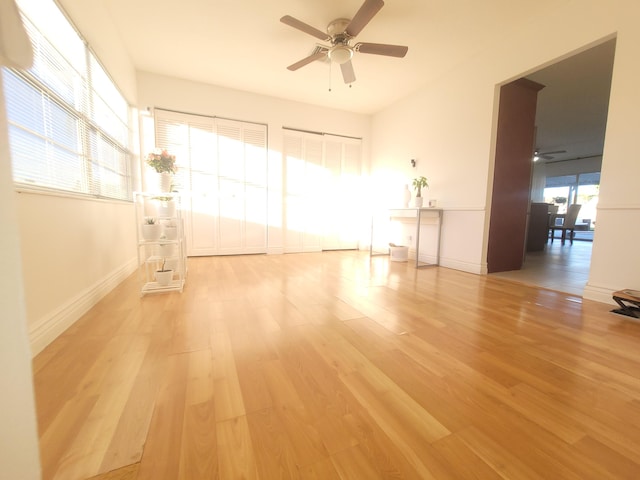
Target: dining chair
[[553, 212], [568, 224]]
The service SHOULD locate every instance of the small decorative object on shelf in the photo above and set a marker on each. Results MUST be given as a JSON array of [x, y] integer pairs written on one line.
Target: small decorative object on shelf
[[166, 207], [161, 255], [151, 229], [165, 164], [407, 196], [418, 184]]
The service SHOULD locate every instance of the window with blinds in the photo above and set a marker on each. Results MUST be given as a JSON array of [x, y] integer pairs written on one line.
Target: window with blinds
[[68, 123]]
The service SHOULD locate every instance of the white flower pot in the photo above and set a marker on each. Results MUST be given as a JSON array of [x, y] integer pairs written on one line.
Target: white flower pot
[[418, 202], [167, 208], [163, 277], [151, 232], [166, 179]]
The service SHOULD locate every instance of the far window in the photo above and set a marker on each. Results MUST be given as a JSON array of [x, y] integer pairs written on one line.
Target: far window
[[68, 123]]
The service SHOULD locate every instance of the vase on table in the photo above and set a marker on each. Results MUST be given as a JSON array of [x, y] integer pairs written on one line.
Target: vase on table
[[166, 180], [407, 196]]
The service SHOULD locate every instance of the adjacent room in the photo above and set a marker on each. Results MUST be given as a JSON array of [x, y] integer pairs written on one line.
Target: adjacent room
[[570, 126], [196, 196]]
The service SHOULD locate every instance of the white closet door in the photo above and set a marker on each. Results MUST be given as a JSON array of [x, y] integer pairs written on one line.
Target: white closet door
[[223, 171], [305, 178], [293, 146], [231, 186], [342, 163], [333, 194], [202, 203], [256, 181], [350, 211], [192, 140]]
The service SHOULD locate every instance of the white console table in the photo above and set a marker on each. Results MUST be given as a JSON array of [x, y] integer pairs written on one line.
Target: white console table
[[417, 214]]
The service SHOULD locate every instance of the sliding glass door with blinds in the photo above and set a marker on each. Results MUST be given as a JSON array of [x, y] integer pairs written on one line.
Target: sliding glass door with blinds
[[322, 191], [222, 170]]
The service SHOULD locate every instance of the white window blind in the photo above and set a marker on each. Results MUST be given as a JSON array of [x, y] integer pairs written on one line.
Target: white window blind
[[68, 123]]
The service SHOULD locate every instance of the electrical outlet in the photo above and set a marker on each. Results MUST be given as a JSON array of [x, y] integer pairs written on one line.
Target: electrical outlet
[[410, 238]]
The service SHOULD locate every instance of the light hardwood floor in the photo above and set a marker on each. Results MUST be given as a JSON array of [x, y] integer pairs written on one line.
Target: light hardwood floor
[[336, 366], [564, 268]]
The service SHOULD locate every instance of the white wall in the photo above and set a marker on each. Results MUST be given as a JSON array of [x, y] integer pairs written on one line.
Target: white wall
[[74, 251], [449, 126], [197, 98], [19, 437]]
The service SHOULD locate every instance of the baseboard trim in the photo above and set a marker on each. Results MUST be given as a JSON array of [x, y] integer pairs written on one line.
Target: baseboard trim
[[462, 266], [599, 294], [49, 327]]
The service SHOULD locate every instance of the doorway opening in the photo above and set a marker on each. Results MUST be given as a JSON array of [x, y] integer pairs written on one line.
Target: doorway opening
[[571, 117]]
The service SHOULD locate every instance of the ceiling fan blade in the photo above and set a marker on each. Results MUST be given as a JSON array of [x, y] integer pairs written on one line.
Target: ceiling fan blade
[[382, 49], [348, 73], [295, 23], [363, 16], [305, 61]]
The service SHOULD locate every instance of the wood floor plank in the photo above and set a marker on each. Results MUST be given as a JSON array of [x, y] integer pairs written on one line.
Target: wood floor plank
[[235, 453], [162, 452], [86, 454], [337, 365], [130, 472]]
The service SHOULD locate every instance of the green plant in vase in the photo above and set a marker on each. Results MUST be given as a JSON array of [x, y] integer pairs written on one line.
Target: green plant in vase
[[418, 184]]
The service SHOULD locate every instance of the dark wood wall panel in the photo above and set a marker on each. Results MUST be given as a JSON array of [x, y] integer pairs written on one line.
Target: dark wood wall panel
[[512, 175]]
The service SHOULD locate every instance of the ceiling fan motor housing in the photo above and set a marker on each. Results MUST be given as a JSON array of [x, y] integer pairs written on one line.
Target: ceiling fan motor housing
[[341, 52], [337, 30]]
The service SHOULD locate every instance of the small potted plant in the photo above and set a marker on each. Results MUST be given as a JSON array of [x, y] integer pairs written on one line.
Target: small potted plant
[[164, 275], [418, 184], [165, 164], [151, 229]]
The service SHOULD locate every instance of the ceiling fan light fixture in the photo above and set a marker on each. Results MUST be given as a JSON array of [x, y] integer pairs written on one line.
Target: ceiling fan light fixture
[[340, 54]]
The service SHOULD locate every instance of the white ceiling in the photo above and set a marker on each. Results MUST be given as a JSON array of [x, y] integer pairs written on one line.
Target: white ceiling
[[572, 108], [242, 44]]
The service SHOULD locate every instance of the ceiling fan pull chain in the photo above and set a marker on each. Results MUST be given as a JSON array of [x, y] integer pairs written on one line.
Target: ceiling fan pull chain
[[330, 71]]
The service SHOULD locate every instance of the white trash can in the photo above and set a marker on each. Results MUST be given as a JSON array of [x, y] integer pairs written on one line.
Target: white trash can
[[399, 253]]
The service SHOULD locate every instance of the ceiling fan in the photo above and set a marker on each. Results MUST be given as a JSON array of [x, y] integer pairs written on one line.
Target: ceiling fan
[[537, 155], [340, 33]]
